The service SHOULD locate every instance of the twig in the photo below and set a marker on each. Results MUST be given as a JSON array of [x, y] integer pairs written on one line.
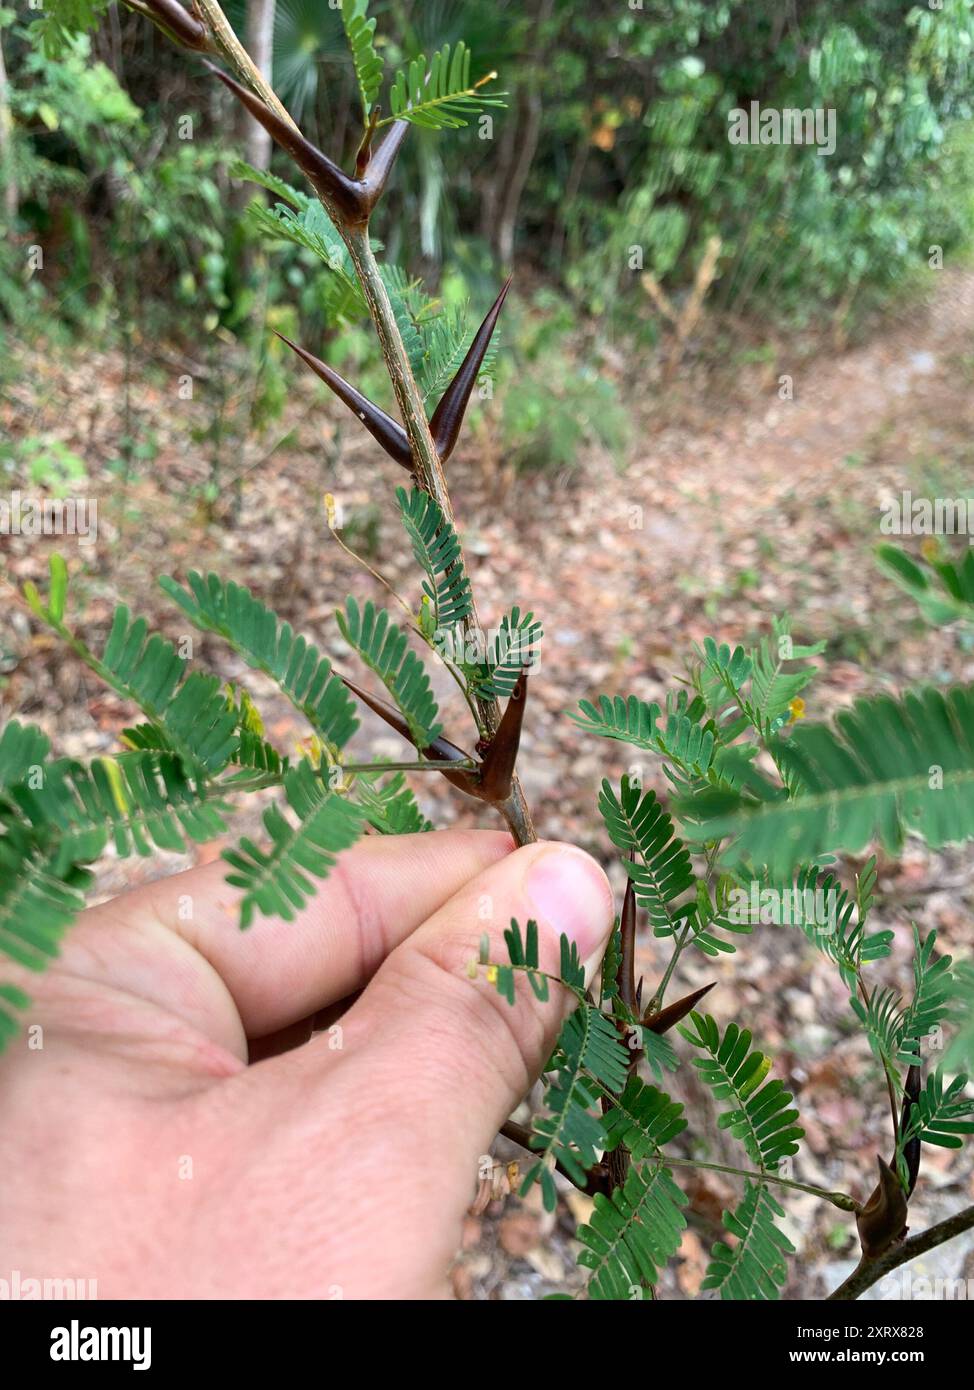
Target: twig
[[597, 1179], [428, 467], [870, 1271]]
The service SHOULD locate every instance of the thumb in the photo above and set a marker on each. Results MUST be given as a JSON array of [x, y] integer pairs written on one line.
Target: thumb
[[449, 1051]]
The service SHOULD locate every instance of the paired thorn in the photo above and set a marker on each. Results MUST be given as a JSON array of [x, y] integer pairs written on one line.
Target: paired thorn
[[448, 416], [352, 198], [911, 1151], [497, 767], [626, 974], [664, 1019], [882, 1220], [388, 432], [176, 22], [493, 778], [440, 750]]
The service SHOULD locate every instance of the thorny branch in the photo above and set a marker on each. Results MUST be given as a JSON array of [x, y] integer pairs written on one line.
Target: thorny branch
[[426, 461], [870, 1271]]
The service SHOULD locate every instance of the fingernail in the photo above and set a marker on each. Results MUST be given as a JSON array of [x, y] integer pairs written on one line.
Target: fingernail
[[571, 894]]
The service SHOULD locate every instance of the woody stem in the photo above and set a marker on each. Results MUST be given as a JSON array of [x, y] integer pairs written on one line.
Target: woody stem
[[429, 470]]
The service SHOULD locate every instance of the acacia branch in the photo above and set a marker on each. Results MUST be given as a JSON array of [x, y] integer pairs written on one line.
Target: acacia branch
[[428, 467], [870, 1271]]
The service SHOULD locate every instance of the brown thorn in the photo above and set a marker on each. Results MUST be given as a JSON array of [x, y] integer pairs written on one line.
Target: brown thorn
[[332, 183], [176, 22], [626, 974], [380, 166], [497, 767], [353, 200], [882, 1220], [448, 415], [364, 153], [663, 1020], [441, 749], [382, 427]]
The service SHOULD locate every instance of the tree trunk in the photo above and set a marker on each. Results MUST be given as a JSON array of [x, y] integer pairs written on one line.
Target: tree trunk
[[260, 45], [528, 134], [8, 179]]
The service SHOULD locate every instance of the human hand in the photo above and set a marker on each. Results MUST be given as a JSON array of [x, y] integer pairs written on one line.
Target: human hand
[[138, 1147]]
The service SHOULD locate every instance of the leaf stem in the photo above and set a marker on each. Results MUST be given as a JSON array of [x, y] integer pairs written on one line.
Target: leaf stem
[[838, 1199]]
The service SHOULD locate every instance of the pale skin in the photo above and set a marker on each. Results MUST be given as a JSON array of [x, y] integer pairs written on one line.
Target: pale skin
[[141, 1148]]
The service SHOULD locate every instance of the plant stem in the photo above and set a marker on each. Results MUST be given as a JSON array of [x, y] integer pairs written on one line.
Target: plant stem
[[429, 470], [890, 1083], [428, 467], [234, 53], [838, 1199], [656, 1003], [870, 1271], [419, 765]]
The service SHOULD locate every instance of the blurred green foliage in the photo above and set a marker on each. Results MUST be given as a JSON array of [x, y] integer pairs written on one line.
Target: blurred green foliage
[[612, 158]]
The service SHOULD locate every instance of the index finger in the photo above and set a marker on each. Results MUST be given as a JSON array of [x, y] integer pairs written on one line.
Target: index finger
[[378, 892]]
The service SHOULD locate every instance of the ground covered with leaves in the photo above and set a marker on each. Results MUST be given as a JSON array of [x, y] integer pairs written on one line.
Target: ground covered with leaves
[[752, 488]]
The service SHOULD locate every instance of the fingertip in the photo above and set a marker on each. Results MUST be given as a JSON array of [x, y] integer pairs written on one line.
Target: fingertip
[[572, 896]]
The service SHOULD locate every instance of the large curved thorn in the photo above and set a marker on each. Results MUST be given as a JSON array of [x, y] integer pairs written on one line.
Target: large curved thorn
[[176, 22], [330, 181], [497, 767], [352, 199], [882, 1221], [664, 1019], [441, 749], [448, 416], [389, 433]]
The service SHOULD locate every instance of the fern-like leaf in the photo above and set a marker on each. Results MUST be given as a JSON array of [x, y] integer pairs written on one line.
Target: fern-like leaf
[[383, 646], [643, 1119], [240, 169], [759, 1116], [447, 336], [267, 644], [278, 881], [681, 738], [888, 766], [933, 996], [22, 747], [754, 1268], [360, 32], [389, 807], [140, 801], [895, 1031], [512, 648], [441, 96], [632, 1234], [832, 919], [37, 903], [436, 548], [589, 1054], [940, 1114], [773, 687], [191, 719], [662, 874], [145, 668]]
